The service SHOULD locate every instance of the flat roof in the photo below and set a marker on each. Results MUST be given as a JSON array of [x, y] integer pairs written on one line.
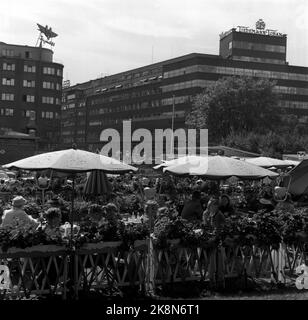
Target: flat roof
[[24, 46]]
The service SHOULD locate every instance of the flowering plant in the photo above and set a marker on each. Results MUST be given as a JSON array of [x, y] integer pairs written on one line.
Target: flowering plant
[[23, 237]]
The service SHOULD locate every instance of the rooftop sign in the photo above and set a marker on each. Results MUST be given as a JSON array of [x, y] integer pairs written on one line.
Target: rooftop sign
[[260, 29], [48, 33]]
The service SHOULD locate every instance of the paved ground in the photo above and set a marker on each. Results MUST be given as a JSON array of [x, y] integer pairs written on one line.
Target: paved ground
[[300, 295]]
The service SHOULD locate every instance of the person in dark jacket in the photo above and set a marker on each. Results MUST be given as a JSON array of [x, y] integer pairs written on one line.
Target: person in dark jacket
[[193, 209], [225, 206]]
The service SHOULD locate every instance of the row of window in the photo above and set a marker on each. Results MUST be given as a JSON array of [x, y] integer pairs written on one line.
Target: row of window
[[31, 83], [68, 106], [51, 85], [293, 104], [48, 100], [205, 83], [157, 116], [187, 84], [126, 96], [71, 140], [175, 100], [261, 60], [10, 53], [129, 107], [258, 46], [291, 90], [129, 84], [71, 96], [7, 53], [8, 66], [9, 112], [52, 71], [136, 75], [47, 114], [32, 68], [68, 140], [137, 117], [71, 132], [236, 71], [67, 123], [8, 82], [29, 98], [7, 96]]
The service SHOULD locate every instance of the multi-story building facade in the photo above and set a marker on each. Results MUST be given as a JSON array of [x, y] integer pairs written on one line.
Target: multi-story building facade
[[153, 95], [30, 93]]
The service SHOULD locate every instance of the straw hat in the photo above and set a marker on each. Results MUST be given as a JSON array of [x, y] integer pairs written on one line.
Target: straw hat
[[19, 201]]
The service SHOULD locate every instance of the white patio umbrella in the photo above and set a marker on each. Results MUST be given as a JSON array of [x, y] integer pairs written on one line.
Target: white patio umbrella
[[218, 168], [178, 161], [71, 161], [292, 162], [266, 162]]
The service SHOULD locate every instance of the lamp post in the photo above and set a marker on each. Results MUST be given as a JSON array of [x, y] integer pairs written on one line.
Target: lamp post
[[43, 184], [172, 128]]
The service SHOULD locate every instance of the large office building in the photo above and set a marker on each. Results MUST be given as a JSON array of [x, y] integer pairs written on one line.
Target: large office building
[[153, 95], [30, 93]]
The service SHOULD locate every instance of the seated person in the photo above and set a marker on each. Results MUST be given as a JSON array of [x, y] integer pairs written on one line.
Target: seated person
[[17, 216], [192, 209], [53, 222], [55, 202], [225, 206], [212, 216], [112, 212], [205, 198], [266, 203], [162, 212], [96, 216], [252, 202]]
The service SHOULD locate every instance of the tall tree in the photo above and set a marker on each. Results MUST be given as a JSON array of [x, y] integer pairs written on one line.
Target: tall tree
[[235, 104]]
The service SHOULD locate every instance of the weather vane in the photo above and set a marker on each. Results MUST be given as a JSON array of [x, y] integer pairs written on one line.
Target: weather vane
[[46, 35]]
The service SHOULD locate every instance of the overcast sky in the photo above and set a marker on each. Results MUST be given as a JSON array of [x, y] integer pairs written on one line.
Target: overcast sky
[[100, 37]]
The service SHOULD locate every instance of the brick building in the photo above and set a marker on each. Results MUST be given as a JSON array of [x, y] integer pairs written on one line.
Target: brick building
[[30, 93]]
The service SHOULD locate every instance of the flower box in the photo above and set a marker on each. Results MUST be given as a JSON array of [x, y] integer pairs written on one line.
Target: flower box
[[99, 246], [34, 250], [140, 244]]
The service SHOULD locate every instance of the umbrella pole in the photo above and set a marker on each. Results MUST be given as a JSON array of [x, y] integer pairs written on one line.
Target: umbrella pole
[[72, 212], [73, 274]]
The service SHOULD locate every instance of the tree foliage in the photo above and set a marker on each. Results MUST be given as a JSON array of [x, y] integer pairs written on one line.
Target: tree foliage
[[271, 144], [235, 104]]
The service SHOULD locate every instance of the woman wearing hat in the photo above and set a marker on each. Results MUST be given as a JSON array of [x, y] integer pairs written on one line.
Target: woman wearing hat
[[17, 216]]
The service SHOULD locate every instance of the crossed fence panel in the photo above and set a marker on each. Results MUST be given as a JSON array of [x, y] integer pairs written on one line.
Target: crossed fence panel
[[36, 272], [108, 265]]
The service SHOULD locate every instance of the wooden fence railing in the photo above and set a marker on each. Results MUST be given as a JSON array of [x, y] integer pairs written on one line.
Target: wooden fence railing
[[48, 269]]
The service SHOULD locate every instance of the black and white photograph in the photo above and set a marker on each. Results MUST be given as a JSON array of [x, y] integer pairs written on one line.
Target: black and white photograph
[[153, 154]]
